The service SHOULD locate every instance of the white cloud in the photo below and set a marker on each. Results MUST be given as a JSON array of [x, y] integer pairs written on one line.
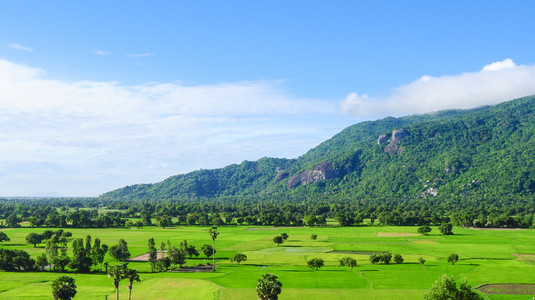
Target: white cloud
[[20, 47], [500, 65], [85, 138], [495, 83], [101, 52]]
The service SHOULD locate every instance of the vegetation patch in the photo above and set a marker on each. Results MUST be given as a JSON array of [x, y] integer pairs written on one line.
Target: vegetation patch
[[199, 268], [396, 234], [508, 289]]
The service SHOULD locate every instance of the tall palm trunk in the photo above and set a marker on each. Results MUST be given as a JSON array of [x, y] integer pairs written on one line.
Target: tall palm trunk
[[117, 291], [213, 255]]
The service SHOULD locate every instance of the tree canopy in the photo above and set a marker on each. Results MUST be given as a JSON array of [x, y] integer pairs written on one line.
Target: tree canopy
[[268, 287]]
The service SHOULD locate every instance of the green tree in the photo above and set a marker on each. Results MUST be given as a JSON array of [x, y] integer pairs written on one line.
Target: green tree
[[132, 276], [446, 228], [421, 261], [41, 262], [398, 259], [153, 254], [284, 236], [213, 234], [165, 221], [375, 258], [191, 251], [4, 237], [348, 262], [453, 258], [98, 252], [81, 261], [34, 238], [207, 250], [310, 220], [268, 287], [162, 248], [117, 273], [177, 256], [313, 236], [386, 258], [51, 251], [13, 220], [315, 263], [62, 260], [424, 229], [120, 251], [63, 288], [446, 288], [239, 257], [278, 240]]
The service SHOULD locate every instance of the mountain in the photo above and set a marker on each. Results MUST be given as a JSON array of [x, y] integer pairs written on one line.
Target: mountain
[[483, 152]]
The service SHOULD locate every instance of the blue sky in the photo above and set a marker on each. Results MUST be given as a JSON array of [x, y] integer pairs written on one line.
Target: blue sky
[[96, 95]]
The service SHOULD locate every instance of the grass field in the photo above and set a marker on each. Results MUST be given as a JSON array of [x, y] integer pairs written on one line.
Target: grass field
[[485, 257]]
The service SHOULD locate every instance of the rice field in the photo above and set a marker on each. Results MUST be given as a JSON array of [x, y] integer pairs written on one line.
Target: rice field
[[497, 259]]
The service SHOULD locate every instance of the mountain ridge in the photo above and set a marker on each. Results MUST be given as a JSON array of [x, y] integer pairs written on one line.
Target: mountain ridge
[[486, 151]]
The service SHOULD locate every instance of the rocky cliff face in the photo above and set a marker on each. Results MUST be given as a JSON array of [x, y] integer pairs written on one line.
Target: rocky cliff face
[[398, 135], [382, 138], [322, 171], [281, 175]]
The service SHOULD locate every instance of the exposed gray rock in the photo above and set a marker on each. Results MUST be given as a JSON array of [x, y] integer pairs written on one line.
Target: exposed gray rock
[[322, 171], [398, 135], [382, 138], [281, 175]]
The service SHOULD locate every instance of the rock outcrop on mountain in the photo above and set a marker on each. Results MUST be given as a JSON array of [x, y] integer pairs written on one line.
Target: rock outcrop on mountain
[[398, 135], [382, 139], [322, 171]]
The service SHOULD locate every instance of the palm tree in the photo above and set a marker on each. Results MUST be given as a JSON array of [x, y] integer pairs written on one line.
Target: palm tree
[[268, 287], [117, 272], [63, 288], [213, 235], [132, 275]]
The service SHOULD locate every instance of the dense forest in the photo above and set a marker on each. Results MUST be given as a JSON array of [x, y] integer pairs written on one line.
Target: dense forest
[[469, 167], [483, 153]]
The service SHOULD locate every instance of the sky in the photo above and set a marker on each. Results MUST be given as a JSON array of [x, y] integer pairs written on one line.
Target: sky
[[97, 95]]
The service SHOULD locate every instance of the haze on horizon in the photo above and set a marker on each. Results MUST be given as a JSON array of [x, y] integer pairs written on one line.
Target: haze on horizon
[[96, 96]]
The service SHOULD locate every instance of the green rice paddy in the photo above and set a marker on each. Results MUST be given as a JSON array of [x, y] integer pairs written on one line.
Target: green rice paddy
[[485, 257]]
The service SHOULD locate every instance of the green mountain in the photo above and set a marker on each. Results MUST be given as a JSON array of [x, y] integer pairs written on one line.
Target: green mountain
[[486, 152]]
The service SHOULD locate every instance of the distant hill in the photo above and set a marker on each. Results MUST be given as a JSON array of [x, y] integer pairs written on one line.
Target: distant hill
[[484, 152]]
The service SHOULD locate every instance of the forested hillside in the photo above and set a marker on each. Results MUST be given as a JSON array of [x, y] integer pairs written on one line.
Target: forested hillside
[[482, 153]]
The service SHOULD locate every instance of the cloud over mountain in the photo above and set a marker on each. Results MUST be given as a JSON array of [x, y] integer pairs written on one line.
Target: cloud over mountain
[[493, 84]]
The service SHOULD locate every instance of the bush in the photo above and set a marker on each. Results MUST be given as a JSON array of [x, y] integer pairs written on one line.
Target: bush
[[349, 262], [315, 263], [446, 288], [398, 259]]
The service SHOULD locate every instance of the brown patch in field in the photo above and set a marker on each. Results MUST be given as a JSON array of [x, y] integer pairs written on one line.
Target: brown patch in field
[[396, 234], [508, 288], [145, 257], [424, 242], [479, 228], [525, 257]]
